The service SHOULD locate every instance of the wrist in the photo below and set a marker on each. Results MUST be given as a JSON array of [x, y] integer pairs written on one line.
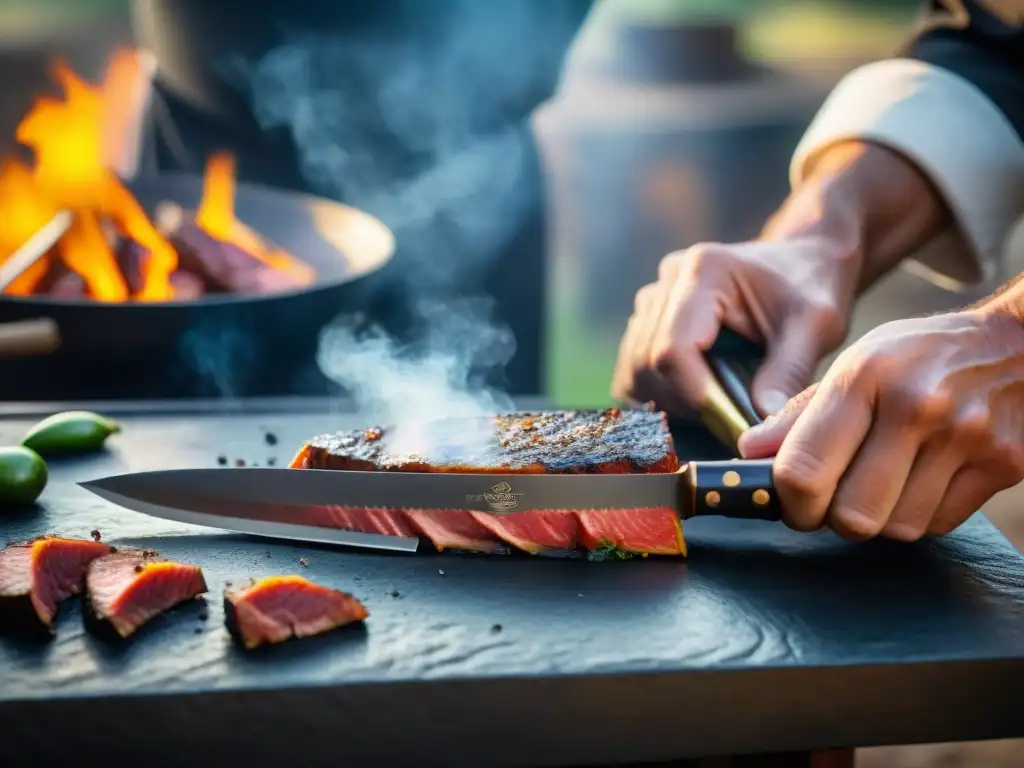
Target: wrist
[[871, 202], [820, 222]]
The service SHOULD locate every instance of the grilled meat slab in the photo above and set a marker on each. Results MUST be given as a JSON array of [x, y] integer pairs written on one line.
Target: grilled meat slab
[[587, 441]]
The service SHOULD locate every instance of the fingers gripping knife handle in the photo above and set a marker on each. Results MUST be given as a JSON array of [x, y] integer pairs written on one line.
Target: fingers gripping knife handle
[[739, 488]]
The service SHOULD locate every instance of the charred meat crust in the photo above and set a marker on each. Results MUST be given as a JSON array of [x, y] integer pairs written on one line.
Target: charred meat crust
[[562, 442]]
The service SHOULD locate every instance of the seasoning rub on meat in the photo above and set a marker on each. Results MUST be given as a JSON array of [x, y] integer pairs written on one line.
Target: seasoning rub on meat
[[608, 441]]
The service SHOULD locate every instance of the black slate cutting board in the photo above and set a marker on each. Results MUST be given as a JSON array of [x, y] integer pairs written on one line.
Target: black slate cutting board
[[763, 640]]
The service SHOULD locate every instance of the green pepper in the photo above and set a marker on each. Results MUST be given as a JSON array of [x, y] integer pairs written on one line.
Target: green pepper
[[70, 432], [23, 476]]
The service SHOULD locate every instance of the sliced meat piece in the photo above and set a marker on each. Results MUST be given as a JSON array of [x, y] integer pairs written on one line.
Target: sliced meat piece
[[453, 529], [129, 587], [593, 441], [534, 531], [35, 576], [643, 530], [278, 608], [388, 522]]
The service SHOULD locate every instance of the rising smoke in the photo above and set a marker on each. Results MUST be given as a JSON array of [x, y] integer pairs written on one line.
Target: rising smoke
[[433, 139], [440, 375]]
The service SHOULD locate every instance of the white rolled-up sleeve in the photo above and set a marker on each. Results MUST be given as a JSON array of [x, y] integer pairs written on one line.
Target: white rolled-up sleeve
[[954, 134]]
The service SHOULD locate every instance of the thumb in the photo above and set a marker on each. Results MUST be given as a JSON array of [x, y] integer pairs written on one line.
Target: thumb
[[788, 367]]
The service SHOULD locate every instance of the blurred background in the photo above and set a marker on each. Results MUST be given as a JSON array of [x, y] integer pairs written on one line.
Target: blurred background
[[674, 123]]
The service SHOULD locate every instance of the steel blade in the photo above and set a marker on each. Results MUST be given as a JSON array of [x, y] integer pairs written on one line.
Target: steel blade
[[303, 494], [272, 521]]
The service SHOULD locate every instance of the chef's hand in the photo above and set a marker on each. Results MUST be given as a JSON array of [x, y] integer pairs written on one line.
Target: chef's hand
[[795, 297], [912, 429], [860, 211]]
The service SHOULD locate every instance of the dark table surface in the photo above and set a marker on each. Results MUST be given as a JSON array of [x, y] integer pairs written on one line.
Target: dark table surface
[[763, 640]]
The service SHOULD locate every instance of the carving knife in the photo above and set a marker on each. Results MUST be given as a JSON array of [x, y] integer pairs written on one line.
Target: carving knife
[[310, 504]]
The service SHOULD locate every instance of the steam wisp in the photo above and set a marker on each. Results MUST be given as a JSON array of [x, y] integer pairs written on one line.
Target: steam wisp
[[411, 388]]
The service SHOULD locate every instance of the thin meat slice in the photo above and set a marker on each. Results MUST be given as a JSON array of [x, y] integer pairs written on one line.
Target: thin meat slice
[[37, 575], [381, 520], [642, 530], [534, 531], [454, 529], [278, 608], [130, 587]]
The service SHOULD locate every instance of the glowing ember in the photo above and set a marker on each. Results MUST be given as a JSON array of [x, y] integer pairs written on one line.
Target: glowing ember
[[81, 143]]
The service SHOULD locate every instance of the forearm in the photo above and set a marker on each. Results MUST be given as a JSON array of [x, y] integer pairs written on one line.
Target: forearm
[[869, 200]]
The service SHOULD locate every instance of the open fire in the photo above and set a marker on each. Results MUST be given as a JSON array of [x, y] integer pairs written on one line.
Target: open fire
[[113, 251]]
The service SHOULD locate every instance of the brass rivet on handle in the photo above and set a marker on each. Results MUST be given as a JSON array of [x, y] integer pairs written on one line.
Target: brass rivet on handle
[[712, 498], [761, 497], [731, 479]]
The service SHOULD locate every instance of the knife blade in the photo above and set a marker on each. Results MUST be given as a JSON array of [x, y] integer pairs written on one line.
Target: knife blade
[[304, 504]]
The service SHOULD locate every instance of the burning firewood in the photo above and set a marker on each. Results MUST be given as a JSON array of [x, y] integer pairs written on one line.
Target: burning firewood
[[114, 251]]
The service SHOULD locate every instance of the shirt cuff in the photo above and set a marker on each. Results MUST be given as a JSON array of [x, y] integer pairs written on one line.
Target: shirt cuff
[[951, 131]]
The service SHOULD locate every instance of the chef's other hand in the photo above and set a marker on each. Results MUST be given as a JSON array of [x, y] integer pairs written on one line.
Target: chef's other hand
[[794, 297], [860, 210], [912, 429]]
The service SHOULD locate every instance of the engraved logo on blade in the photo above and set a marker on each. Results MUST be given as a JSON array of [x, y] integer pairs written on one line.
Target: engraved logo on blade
[[500, 498]]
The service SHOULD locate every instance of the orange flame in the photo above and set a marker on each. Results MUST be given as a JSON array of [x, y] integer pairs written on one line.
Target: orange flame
[[23, 212], [83, 143], [71, 150], [216, 216]]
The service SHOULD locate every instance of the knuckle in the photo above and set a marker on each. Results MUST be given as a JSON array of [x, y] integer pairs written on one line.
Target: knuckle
[[826, 314], [800, 475], [917, 407], [644, 297], [856, 524], [903, 531], [665, 358], [973, 427], [669, 265], [698, 259], [1006, 461]]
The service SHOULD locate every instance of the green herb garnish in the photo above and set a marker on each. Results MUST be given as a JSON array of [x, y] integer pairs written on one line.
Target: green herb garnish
[[606, 550]]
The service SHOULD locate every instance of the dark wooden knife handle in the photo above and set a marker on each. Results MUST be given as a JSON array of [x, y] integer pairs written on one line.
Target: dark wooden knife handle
[[736, 488], [728, 409]]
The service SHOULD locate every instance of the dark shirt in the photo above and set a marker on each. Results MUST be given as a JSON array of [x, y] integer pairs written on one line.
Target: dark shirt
[[971, 39]]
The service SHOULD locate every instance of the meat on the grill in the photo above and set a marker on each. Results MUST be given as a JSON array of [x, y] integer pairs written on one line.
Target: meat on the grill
[[278, 608], [36, 575], [129, 587], [221, 266], [130, 257], [564, 442]]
